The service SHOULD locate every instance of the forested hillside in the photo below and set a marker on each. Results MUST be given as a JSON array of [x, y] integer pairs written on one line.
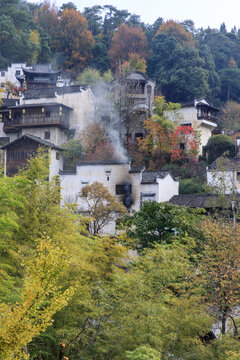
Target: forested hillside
[[186, 62]]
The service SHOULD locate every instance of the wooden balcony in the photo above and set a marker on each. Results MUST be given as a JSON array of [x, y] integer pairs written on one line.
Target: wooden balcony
[[25, 121], [207, 117]]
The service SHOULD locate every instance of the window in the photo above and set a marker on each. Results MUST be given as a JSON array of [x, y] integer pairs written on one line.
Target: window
[[48, 114], [187, 124], [2, 73], [18, 72], [57, 155], [138, 135], [4, 140], [47, 135], [238, 176], [123, 189]]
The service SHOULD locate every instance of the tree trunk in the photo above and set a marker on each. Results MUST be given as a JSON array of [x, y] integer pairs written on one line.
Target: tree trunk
[[224, 320]]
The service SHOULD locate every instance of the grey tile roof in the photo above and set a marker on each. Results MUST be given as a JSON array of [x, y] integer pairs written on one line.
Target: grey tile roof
[[9, 102], [103, 162], [34, 138], [150, 177], [136, 169], [51, 92], [202, 201], [40, 104], [225, 164]]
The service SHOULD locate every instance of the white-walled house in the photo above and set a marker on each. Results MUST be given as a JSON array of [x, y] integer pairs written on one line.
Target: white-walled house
[[224, 175], [132, 185], [201, 116], [11, 73]]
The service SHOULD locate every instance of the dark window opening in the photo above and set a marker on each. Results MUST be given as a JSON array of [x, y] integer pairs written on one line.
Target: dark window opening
[[47, 135], [188, 124], [4, 140], [182, 146], [123, 189], [57, 155], [18, 72], [139, 136], [48, 114]]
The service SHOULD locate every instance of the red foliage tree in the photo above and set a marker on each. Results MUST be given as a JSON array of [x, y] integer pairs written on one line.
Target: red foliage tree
[[185, 142], [127, 40]]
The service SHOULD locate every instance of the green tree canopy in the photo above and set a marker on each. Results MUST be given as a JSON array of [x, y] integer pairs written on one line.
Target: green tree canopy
[[218, 145]]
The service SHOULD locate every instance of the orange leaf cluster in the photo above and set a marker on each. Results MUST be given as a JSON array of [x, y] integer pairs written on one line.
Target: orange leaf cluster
[[127, 40], [172, 28]]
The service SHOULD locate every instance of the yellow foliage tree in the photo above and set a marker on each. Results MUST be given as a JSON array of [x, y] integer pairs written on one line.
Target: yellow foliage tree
[[35, 40], [41, 297]]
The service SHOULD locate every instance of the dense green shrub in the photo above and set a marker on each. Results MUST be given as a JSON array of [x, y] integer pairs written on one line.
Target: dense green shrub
[[218, 145]]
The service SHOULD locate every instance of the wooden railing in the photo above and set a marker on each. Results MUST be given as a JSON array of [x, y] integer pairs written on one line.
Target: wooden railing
[[37, 120], [207, 117]]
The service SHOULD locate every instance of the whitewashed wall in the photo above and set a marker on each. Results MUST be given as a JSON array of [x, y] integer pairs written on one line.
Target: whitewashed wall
[[55, 165], [225, 181], [57, 136]]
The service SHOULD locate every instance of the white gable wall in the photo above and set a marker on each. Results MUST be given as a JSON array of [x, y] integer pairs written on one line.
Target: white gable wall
[[167, 188]]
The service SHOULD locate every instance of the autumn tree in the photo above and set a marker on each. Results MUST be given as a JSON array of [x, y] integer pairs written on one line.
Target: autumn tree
[[75, 40], [172, 28], [185, 142], [100, 205], [35, 40], [220, 270], [42, 296], [156, 146], [230, 119], [134, 63], [47, 18], [97, 144], [127, 40]]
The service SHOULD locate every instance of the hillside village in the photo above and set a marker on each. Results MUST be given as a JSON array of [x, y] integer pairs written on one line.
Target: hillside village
[[120, 186], [48, 113]]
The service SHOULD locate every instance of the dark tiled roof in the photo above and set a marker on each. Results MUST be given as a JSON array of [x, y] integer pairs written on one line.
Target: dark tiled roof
[[34, 138], [225, 164], [202, 201], [67, 172], [187, 104], [103, 162], [9, 102], [39, 104], [150, 177], [42, 69], [51, 92], [136, 169], [39, 93]]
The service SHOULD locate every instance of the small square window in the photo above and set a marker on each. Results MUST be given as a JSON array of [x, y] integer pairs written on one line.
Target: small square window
[[139, 136], [57, 155], [47, 135]]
